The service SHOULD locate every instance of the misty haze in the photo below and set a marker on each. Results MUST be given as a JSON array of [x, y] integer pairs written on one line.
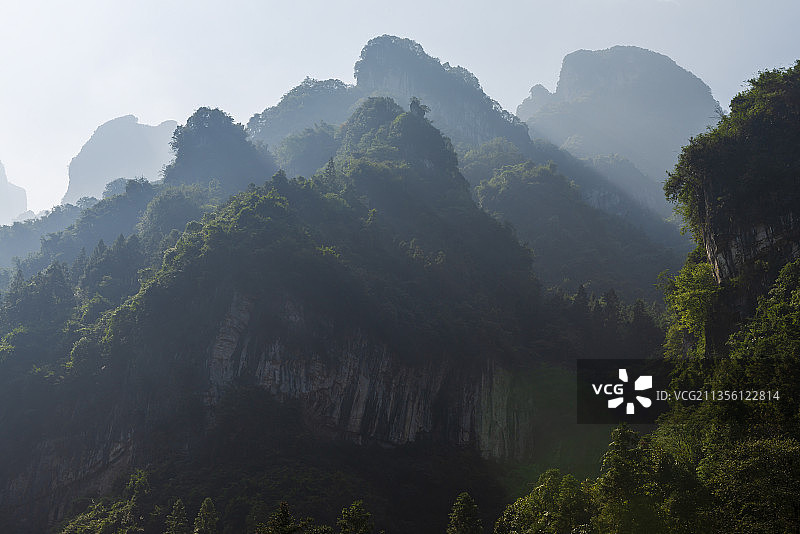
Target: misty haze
[[393, 304]]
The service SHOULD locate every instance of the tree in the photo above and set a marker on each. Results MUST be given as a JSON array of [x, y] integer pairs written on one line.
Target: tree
[[557, 504], [211, 146], [743, 172], [282, 522], [177, 522], [755, 484], [465, 518], [207, 518], [355, 520], [418, 108], [624, 492]]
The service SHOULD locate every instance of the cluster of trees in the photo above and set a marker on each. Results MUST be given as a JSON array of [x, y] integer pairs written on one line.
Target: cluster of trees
[[210, 146], [573, 243], [213, 159], [747, 165], [136, 511], [23, 238], [311, 103]]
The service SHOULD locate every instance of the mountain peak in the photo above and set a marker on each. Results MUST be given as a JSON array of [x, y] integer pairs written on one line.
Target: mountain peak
[[628, 69], [119, 148], [13, 199], [392, 53], [624, 100]]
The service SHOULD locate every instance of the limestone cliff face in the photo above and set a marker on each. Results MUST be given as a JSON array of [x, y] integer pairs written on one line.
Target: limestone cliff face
[[624, 100], [119, 148], [13, 199], [734, 250], [353, 389], [61, 469], [358, 390]]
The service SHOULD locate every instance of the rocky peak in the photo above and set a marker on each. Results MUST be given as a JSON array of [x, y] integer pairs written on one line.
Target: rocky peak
[[633, 72], [538, 97], [13, 199], [119, 148], [400, 68], [625, 100], [387, 61]]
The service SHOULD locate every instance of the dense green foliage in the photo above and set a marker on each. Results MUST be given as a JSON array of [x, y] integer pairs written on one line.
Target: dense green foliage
[[385, 242], [310, 103], [210, 146], [22, 238], [137, 511], [105, 220], [748, 165], [303, 153], [464, 518], [690, 297], [573, 243]]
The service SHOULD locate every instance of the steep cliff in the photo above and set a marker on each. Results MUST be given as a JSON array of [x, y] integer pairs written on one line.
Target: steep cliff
[[379, 302], [13, 199], [624, 100], [119, 148], [361, 391], [736, 185], [155, 400], [400, 68]]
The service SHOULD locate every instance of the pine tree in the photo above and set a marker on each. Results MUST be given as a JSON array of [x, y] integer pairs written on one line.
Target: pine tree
[[465, 517], [177, 522], [79, 267], [330, 171], [282, 522], [355, 520], [207, 518]]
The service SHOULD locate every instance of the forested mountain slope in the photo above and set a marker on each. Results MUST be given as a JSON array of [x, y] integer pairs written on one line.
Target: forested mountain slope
[[573, 243], [455, 102], [372, 305]]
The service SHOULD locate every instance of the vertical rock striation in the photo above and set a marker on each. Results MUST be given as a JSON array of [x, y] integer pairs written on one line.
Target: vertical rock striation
[[357, 390]]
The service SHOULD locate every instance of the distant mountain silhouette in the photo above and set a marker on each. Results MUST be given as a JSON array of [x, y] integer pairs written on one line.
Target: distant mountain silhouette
[[120, 148], [398, 68], [311, 102], [13, 199], [627, 101]]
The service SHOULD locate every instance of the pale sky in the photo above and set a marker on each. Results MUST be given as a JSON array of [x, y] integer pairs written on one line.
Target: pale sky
[[67, 67]]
